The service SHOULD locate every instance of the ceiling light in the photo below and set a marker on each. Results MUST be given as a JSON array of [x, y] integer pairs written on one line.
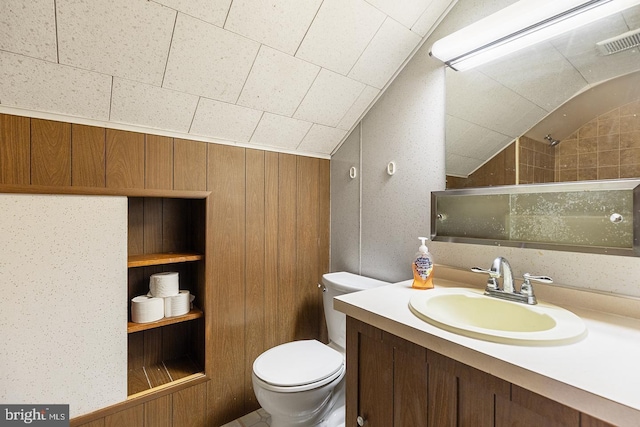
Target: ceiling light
[[520, 25]]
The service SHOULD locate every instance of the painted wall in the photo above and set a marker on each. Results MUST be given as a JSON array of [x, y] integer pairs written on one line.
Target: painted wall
[[377, 218], [407, 125]]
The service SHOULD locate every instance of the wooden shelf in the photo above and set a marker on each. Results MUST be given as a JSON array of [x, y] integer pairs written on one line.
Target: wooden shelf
[[161, 375], [195, 313], [160, 259]]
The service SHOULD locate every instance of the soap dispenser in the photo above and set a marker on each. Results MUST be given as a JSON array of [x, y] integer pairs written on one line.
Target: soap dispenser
[[423, 267]]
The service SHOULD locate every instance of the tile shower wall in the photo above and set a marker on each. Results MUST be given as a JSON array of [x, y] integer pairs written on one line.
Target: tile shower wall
[[536, 163], [607, 147]]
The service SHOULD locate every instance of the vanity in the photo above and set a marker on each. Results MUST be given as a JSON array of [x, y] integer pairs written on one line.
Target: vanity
[[403, 371]]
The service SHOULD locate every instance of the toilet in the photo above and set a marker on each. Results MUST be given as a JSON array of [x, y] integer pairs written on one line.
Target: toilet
[[301, 383]]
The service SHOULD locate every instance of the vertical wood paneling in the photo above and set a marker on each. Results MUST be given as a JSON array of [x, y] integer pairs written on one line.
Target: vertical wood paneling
[[15, 150], [410, 388], [152, 237], [443, 391], [129, 417], [189, 407], [287, 251], [96, 423], [307, 214], [324, 233], [125, 159], [271, 209], [271, 280], [255, 267], [588, 421], [226, 181], [158, 172], [87, 156], [375, 388], [476, 395], [542, 408], [190, 165], [50, 153], [175, 226], [158, 412], [135, 226]]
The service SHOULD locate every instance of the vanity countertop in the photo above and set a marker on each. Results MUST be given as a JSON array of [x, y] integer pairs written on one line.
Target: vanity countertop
[[598, 375]]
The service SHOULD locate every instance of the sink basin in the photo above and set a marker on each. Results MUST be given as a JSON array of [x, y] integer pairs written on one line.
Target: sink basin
[[471, 313]]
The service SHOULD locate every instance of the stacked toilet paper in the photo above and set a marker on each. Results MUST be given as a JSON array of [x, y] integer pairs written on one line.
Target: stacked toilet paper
[[165, 299]]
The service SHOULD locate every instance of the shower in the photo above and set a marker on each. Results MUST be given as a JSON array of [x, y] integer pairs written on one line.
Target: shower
[[552, 142]]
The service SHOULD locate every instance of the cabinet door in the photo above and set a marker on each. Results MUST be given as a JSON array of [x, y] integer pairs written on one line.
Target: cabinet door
[[369, 377], [530, 409], [386, 379], [410, 385]]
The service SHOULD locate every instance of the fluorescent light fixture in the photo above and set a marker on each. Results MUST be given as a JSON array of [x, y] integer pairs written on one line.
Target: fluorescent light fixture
[[520, 25]]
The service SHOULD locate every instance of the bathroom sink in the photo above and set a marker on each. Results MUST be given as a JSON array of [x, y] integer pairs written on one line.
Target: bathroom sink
[[471, 313]]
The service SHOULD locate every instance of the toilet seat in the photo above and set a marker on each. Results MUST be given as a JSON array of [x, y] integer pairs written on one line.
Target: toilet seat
[[298, 366]]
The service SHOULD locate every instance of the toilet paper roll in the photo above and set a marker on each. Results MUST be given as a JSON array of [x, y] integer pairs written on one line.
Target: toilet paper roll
[[177, 305], [145, 309], [164, 284]]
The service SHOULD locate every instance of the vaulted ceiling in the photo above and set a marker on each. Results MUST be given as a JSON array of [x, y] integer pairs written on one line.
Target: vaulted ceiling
[[490, 106], [289, 75]]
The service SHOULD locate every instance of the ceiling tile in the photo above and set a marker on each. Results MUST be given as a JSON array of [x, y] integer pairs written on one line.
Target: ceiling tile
[[116, 37], [329, 98], [548, 86], [147, 105], [358, 108], [29, 28], [224, 121], [339, 34], [280, 24], [462, 166], [212, 11], [430, 17], [280, 132], [37, 85], [391, 45], [208, 61], [406, 12], [277, 82], [471, 95], [321, 139]]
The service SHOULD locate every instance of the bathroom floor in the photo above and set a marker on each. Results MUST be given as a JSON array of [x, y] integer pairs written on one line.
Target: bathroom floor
[[259, 418]]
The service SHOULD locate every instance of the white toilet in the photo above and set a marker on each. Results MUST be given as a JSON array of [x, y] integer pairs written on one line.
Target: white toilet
[[301, 383]]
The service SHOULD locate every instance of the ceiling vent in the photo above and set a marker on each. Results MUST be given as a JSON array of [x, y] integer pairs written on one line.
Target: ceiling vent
[[619, 43]]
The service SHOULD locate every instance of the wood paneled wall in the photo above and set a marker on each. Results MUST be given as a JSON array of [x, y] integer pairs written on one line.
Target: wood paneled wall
[[269, 221]]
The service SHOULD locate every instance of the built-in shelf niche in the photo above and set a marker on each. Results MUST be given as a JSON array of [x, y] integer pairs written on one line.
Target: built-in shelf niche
[[166, 234]]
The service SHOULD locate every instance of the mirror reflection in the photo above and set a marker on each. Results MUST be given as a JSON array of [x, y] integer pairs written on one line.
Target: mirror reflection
[[559, 111]]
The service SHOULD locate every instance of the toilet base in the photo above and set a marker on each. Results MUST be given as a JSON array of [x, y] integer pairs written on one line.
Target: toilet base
[[332, 414]]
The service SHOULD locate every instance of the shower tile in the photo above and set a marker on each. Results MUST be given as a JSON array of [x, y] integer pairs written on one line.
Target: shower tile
[[630, 140]]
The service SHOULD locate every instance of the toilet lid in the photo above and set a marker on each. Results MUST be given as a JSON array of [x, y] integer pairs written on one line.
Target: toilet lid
[[297, 363]]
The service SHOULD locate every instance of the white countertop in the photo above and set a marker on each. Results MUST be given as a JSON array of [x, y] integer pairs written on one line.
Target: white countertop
[[599, 375]]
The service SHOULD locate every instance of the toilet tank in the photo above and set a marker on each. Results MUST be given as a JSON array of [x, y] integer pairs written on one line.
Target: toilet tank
[[341, 283]]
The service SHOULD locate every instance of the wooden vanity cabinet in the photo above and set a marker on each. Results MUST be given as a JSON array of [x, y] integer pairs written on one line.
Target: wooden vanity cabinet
[[392, 382]]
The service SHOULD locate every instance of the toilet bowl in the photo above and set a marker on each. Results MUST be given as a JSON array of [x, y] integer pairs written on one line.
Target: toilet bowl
[[301, 383]]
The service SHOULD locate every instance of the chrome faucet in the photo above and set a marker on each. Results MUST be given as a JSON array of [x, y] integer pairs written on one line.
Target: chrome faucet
[[508, 290]]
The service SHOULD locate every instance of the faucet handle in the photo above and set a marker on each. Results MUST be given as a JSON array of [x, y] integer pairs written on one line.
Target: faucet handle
[[491, 273], [492, 282], [527, 289], [528, 278]]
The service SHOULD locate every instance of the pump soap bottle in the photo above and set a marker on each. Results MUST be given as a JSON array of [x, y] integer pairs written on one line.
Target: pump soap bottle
[[423, 267]]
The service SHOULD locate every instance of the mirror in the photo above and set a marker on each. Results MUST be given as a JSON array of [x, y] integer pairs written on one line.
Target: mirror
[[498, 114]]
